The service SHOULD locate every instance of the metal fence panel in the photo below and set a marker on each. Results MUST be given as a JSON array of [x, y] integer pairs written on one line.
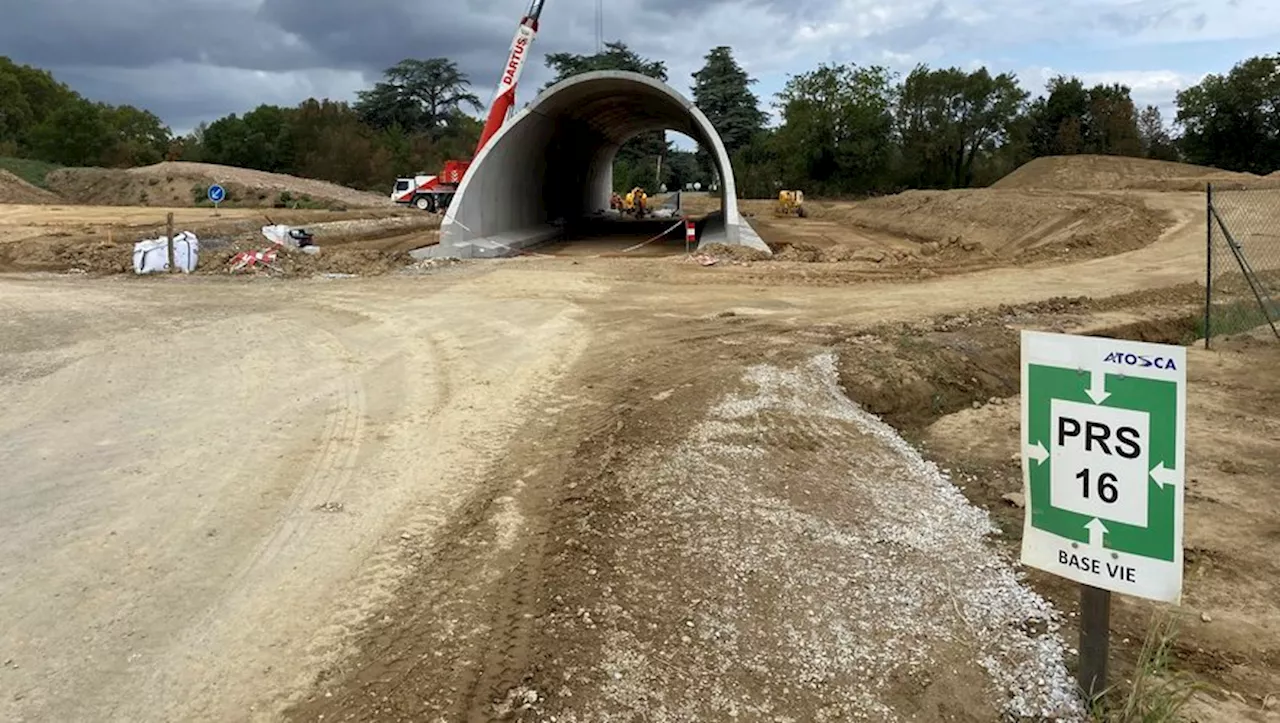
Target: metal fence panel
[[1243, 261]]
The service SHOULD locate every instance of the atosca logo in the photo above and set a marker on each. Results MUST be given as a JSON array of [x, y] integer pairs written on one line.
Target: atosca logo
[[1140, 360]]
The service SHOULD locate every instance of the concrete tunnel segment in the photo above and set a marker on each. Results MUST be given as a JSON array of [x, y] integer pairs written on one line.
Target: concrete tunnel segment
[[553, 162]]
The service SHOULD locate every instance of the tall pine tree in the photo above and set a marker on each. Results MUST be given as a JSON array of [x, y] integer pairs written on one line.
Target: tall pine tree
[[722, 91]]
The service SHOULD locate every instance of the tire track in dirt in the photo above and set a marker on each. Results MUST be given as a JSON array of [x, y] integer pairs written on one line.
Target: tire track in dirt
[[328, 465], [466, 631]]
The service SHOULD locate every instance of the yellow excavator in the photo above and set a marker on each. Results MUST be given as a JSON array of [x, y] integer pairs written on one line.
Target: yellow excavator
[[790, 203]]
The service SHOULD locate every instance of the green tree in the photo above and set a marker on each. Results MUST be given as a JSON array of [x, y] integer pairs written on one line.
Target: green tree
[[75, 134], [1112, 122], [419, 95], [837, 129], [615, 56], [756, 167], [1232, 121], [15, 111], [269, 138], [139, 137], [1057, 120], [946, 118], [1074, 119], [28, 96], [226, 141], [722, 91], [1153, 137]]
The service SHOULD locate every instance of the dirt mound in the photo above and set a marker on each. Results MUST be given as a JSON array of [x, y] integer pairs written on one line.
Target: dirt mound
[[734, 252], [291, 263], [1004, 223], [1110, 173], [16, 190], [185, 184]]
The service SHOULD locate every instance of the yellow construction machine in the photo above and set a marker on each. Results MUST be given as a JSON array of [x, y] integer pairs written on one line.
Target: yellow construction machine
[[635, 202], [790, 203]]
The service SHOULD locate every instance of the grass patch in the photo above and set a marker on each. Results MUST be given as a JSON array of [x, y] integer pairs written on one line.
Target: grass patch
[[1236, 317], [1157, 693], [288, 200], [29, 170]]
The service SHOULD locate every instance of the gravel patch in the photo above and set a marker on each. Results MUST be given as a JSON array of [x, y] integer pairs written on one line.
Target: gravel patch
[[794, 559]]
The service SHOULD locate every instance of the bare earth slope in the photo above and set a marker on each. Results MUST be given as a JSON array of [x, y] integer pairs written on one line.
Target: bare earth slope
[[175, 183], [1114, 173], [16, 190], [1005, 222]]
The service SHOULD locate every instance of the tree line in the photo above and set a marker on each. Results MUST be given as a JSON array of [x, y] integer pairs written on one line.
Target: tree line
[[845, 129]]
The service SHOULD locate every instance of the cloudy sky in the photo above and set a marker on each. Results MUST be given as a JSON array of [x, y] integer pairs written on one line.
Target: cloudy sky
[[193, 60]]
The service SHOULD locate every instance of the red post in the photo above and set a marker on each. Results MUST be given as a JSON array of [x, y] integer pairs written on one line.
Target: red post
[[690, 234]]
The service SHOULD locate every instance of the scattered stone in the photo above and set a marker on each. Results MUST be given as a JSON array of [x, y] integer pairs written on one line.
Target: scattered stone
[[1016, 499], [1205, 618]]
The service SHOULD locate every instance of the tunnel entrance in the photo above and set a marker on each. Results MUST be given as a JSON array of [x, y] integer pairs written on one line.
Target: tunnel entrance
[[547, 176]]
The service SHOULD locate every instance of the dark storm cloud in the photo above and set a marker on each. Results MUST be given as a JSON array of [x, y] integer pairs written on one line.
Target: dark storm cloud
[[138, 33], [376, 33], [100, 46], [189, 60]]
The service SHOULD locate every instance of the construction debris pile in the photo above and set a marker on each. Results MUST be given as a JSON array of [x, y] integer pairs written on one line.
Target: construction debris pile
[[282, 237]]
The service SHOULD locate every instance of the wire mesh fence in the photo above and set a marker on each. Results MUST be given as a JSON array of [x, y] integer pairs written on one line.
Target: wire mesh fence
[[1243, 273]]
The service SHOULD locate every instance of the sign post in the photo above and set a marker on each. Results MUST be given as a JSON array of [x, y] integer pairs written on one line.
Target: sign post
[[1103, 465], [690, 234], [217, 194]]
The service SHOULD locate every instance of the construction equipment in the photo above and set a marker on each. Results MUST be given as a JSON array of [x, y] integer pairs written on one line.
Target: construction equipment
[[790, 203], [435, 193], [635, 202]]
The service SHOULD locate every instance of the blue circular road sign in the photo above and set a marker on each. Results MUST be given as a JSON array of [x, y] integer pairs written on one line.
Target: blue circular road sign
[[217, 193]]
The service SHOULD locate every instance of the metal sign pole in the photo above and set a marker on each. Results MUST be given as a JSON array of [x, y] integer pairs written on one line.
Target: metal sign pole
[[1095, 639]]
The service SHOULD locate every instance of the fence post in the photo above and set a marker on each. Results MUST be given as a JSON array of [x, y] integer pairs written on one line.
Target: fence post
[[1208, 263], [169, 230]]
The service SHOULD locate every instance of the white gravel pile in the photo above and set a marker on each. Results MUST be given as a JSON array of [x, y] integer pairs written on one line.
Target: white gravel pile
[[825, 571]]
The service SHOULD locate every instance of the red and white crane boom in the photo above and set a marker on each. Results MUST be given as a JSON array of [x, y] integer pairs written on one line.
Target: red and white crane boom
[[504, 100], [435, 193]]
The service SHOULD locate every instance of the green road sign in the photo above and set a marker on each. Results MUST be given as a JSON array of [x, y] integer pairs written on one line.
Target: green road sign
[[1103, 436]]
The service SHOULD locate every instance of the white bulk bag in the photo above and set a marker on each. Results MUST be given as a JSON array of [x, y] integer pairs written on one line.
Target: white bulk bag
[[152, 255]]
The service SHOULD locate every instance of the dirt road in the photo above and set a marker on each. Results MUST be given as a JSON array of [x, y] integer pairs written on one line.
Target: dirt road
[[589, 488], [206, 484]]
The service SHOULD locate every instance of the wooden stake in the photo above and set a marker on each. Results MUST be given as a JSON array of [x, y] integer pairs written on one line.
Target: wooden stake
[[169, 224]]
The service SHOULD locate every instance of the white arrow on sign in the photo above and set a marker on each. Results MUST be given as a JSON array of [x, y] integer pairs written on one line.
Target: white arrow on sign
[[1096, 531], [1163, 475], [1037, 452], [1097, 390]]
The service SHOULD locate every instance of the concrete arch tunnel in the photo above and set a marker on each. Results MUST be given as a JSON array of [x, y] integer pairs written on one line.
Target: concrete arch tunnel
[[552, 163]]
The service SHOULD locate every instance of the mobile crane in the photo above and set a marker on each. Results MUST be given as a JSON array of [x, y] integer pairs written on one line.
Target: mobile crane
[[434, 193]]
